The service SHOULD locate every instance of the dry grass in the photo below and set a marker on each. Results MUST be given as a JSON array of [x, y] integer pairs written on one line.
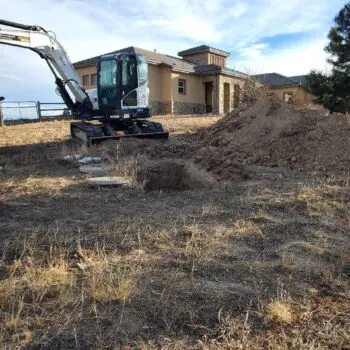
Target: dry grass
[[53, 131], [325, 199], [280, 311], [23, 134], [243, 228], [246, 266], [44, 185]]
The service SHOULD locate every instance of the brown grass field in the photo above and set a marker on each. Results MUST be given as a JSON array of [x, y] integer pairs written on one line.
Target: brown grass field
[[256, 264]]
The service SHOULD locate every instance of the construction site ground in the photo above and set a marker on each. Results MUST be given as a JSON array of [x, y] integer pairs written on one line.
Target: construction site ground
[[192, 255]]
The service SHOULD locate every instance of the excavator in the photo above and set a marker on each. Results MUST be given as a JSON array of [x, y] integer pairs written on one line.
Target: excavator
[[119, 107]]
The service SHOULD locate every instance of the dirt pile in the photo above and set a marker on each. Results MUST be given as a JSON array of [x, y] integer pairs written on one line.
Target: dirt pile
[[275, 134]]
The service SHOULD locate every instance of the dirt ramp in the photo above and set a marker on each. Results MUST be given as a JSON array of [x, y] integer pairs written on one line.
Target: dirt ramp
[[171, 175]]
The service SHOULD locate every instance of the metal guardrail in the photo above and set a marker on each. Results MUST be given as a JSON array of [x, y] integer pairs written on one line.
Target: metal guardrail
[[17, 111]]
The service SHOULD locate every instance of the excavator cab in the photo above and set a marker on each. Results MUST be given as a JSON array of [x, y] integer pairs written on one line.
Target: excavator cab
[[122, 96], [122, 85]]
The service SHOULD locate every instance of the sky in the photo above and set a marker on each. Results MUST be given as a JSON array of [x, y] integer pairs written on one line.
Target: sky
[[287, 37]]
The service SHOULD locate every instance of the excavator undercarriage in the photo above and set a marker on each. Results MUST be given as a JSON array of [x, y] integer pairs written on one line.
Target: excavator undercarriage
[[92, 133]]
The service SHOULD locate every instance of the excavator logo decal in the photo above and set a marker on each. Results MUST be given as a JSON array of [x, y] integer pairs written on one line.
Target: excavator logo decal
[[14, 37]]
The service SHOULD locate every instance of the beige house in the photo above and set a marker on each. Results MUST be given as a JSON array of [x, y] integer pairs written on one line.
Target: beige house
[[196, 82], [288, 89]]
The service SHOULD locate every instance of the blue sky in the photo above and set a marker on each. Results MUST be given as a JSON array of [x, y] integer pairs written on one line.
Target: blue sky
[[262, 36]]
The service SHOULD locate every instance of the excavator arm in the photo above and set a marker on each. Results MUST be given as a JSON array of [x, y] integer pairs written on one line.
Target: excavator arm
[[44, 43]]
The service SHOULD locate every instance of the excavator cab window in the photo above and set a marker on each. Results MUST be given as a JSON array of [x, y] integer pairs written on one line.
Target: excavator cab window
[[107, 84], [117, 82], [129, 81]]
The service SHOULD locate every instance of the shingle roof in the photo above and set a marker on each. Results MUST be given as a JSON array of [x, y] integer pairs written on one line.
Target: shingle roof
[[302, 79], [275, 79], [175, 63], [206, 68], [151, 57], [203, 48]]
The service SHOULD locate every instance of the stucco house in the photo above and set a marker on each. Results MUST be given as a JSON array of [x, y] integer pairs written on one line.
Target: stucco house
[[288, 89], [198, 81]]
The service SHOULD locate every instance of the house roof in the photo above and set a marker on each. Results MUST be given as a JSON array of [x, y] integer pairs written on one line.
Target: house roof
[[302, 79], [151, 57], [203, 48], [214, 68], [276, 79], [175, 63]]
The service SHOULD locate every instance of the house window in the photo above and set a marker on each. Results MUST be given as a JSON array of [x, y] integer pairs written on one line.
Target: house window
[[288, 96], [93, 79], [182, 87], [86, 80]]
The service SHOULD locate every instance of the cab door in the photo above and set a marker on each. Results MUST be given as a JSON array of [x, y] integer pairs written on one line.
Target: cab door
[[108, 84], [129, 81]]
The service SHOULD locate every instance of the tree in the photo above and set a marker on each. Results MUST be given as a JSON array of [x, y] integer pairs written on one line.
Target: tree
[[339, 36], [333, 90]]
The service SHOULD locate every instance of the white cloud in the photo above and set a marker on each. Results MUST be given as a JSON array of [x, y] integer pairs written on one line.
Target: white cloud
[[253, 51], [294, 60]]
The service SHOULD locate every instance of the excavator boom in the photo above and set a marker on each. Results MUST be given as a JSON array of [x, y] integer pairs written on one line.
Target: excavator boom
[[47, 47]]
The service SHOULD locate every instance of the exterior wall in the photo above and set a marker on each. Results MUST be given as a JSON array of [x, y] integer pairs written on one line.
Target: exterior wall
[[87, 71], [198, 58], [165, 91], [154, 83], [217, 59], [300, 95], [222, 79], [159, 83], [193, 101], [206, 58]]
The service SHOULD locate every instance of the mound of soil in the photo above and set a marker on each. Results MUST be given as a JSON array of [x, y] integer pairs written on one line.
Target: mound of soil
[[272, 133], [170, 174]]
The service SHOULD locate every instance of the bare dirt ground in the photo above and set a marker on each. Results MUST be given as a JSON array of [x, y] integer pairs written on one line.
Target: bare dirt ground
[[258, 262]]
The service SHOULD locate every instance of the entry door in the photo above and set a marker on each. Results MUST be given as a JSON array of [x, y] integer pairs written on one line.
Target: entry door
[[209, 97]]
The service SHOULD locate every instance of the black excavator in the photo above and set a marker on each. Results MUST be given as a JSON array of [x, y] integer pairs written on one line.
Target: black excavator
[[119, 107]]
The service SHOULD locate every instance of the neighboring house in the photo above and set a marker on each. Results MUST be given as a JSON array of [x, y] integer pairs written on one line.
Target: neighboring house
[[288, 89], [198, 82]]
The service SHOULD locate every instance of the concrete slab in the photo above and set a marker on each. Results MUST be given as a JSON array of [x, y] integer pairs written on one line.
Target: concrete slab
[[89, 160], [72, 157], [115, 181], [90, 169]]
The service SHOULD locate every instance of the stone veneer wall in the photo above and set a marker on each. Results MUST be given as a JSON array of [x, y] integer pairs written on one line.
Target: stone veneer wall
[[219, 102], [161, 107], [188, 108]]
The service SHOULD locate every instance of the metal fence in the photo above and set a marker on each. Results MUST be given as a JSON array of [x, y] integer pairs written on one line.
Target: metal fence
[[21, 111]]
